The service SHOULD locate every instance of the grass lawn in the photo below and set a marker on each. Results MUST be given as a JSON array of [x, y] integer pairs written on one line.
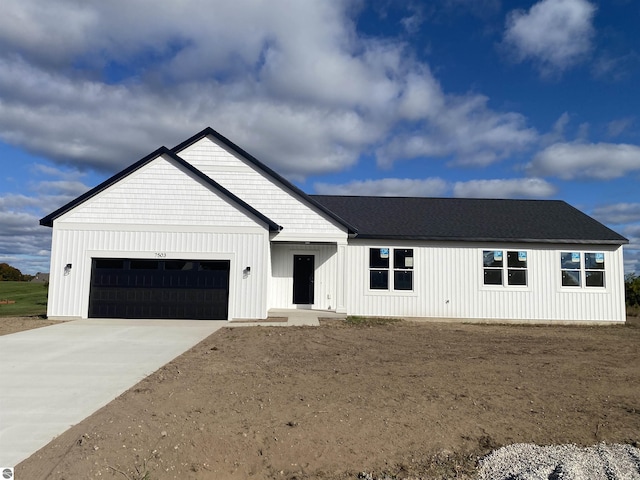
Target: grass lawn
[[30, 299]]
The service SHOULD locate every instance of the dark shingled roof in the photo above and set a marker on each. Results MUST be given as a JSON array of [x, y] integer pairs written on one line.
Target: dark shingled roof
[[469, 219]]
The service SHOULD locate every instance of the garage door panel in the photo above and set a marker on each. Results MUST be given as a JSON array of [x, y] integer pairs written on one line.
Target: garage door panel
[[124, 288]]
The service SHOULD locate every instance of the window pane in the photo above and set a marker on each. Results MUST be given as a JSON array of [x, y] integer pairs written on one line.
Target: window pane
[[492, 276], [178, 265], [379, 279], [595, 279], [517, 259], [492, 258], [108, 263], [403, 280], [214, 265], [517, 277], [570, 260], [594, 261], [144, 265], [403, 258], [378, 258], [571, 278]]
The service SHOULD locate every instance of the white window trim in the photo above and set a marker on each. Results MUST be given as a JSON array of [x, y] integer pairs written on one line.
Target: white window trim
[[505, 270], [390, 291], [583, 272]]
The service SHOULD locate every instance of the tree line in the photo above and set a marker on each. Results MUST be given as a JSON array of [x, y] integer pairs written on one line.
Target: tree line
[[12, 274], [632, 290]]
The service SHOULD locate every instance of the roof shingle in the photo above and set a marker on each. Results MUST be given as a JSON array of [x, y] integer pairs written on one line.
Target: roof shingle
[[469, 219]]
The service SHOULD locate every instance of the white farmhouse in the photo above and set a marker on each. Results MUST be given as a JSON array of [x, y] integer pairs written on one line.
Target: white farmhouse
[[206, 231]]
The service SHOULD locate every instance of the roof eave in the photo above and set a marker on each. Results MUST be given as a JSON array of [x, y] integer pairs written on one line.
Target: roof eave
[[427, 238], [49, 219]]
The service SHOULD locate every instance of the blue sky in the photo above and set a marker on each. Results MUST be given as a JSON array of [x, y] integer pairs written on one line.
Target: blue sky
[[466, 98]]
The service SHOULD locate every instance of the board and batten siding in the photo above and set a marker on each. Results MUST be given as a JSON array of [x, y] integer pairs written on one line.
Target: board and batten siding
[[281, 282], [69, 294], [159, 211], [448, 283], [300, 220]]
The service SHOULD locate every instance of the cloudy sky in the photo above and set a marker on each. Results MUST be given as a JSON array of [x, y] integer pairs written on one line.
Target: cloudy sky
[[454, 98]]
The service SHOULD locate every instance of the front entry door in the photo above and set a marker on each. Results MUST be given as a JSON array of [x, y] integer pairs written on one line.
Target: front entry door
[[303, 269]]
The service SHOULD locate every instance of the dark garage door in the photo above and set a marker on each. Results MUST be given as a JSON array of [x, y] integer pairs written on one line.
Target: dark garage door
[[131, 288]]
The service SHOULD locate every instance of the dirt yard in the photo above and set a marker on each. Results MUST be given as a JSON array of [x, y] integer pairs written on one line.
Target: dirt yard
[[17, 324], [404, 399]]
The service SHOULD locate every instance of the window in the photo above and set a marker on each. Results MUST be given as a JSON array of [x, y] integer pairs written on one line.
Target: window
[[108, 263], [178, 265], [380, 269], [403, 269], [144, 265], [496, 270], [517, 268], [492, 260], [570, 266], [575, 266], [594, 269]]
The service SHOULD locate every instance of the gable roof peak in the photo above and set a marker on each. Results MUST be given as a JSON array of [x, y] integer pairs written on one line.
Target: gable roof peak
[[48, 220], [210, 132]]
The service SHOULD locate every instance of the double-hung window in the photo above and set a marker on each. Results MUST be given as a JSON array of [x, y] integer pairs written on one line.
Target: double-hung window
[[379, 269], [391, 269], [505, 268], [403, 269], [582, 269]]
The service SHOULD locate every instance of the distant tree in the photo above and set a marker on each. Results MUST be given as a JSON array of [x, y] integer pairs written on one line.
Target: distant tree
[[9, 273], [632, 289]]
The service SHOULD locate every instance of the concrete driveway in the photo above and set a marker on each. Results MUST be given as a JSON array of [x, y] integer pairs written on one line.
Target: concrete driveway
[[53, 377]]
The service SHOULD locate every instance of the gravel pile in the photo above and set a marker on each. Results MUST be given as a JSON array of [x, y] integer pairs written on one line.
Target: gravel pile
[[566, 462]]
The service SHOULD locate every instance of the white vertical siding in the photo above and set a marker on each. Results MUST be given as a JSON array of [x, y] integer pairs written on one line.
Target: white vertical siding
[[448, 283], [301, 221], [68, 295], [281, 282]]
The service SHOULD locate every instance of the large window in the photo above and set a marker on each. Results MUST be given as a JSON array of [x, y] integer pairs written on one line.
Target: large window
[[499, 272], [582, 269], [386, 265]]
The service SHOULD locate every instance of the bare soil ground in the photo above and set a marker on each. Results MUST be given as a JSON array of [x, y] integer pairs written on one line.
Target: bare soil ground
[[403, 399], [17, 324]]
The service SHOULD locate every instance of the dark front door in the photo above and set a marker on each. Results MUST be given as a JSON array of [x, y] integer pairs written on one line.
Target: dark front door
[[303, 268]]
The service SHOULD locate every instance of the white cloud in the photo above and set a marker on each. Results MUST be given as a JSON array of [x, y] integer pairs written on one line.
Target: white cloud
[[616, 128], [387, 187], [555, 34], [505, 188], [601, 161], [24, 243], [618, 213], [557, 133], [615, 68], [300, 91], [460, 127]]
